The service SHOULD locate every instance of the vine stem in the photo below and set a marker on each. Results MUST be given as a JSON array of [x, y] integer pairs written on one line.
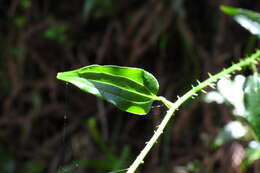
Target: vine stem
[[191, 93]]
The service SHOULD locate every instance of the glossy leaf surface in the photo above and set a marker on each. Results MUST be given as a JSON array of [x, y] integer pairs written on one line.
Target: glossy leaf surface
[[252, 102], [130, 89], [246, 18]]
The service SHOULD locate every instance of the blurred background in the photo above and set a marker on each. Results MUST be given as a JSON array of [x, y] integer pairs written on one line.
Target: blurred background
[[47, 126]]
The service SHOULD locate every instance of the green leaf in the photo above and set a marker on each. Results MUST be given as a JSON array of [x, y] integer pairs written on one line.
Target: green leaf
[[252, 154], [246, 18], [252, 102], [130, 89]]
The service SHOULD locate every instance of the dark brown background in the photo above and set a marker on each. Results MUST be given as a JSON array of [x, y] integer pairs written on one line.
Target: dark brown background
[[46, 124]]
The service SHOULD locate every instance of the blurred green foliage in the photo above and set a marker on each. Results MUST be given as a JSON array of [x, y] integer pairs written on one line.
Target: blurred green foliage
[[33, 166], [252, 103], [25, 3], [98, 8], [7, 162], [109, 161], [20, 21], [56, 33], [252, 155]]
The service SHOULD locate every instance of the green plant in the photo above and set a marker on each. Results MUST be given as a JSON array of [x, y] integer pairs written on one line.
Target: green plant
[[248, 19], [133, 90]]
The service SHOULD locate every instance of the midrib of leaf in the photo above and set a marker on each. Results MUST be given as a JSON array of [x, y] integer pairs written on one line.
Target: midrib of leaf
[[129, 95], [114, 70], [97, 92], [121, 82]]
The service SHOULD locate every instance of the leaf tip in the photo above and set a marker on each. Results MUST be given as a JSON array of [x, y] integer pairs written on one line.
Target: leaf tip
[[227, 10], [58, 76]]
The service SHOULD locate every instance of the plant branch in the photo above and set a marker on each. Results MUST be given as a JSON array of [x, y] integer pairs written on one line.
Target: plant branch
[[192, 93]]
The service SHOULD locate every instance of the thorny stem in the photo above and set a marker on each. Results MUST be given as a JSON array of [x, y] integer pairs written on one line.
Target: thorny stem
[[193, 92]]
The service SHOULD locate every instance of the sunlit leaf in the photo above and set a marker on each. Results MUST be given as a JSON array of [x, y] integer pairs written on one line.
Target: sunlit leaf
[[252, 102], [246, 18], [130, 89]]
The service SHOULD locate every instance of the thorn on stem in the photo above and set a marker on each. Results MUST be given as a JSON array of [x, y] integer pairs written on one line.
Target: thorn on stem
[[227, 76], [255, 62], [195, 94], [239, 68], [203, 91], [212, 85]]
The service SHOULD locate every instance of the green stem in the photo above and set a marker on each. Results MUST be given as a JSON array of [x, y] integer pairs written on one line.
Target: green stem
[[152, 141], [166, 102], [193, 92]]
